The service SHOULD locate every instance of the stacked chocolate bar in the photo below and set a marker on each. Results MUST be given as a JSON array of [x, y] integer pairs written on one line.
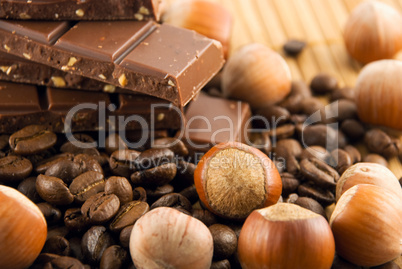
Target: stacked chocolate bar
[[98, 65]]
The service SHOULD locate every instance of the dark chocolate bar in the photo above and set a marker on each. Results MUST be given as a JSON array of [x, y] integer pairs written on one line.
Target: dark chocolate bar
[[213, 120], [81, 9], [65, 109], [159, 60]]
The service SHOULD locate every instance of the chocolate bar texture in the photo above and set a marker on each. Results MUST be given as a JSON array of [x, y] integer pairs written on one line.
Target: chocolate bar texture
[[81, 9], [64, 110], [159, 60]]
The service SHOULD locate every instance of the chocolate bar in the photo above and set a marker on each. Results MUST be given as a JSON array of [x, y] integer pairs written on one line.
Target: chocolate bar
[[212, 120], [81, 9], [70, 110], [159, 60]]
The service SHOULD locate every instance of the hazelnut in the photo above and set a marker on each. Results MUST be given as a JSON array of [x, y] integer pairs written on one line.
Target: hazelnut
[[167, 238], [23, 229]]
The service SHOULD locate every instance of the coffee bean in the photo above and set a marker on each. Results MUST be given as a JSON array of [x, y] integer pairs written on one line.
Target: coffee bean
[[64, 262], [315, 152], [94, 242], [4, 142], [14, 169], [32, 139], [184, 175], [323, 83], [121, 187], [140, 194], [84, 144], [311, 105], [66, 170], [293, 47], [354, 153], [319, 172], [53, 190], [56, 230], [343, 93], [51, 213], [298, 119], [322, 135], [323, 196], [340, 263], [154, 194], [153, 158], [128, 215], [174, 200], [114, 142], [75, 220], [190, 193], [174, 144], [101, 207], [261, 141], [75, 248], [311, 204], [158, 176], [353, 129], [28, 188], [225, 241], [341, 160], [270, 116], [42, 166], [298, 92], [381, 143], [342, 109], [289, 184], [124, 236], [375, 158], [121, 162], [86, 185], [114, 257], [205, 216], [388, 265], [88, 163], [290, 150], [57, 245]]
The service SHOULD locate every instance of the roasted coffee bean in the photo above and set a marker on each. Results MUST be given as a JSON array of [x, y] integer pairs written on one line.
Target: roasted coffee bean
[[340, 263], [271, 116], [379, 142], [75, 248], [289, 184], [184, 175], [79, 143], [4, 141], [66, 170], [290, 150], [322, 135], [14, 169], [293, 47], [53, 190], [175, 200], [261, 141], [121, 187], [114, 257], [51, 213], [311, 105], [375, 158], [55, 230], [341, 160], [94, 242], [28, 188], [324, 196], [42, 166], [64, 262], [388, 265], [154, 194], [343, 93], [153, 158], [140, 194], [319, 172], [86, 185], [347, 109], [88, 163], [315, 152], [57, 245], [32, 139], [297, 119], [299, 91], [225, 241], [121, 162], [354, 153], [174, 144], [75, 220], [124, 236], [190, 193], [311, 204], [323, 83], [282, 132], [155, 176], [114, 142], [353, 129], [222, 264], [205, 216], [101, 207], [128, 215]]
